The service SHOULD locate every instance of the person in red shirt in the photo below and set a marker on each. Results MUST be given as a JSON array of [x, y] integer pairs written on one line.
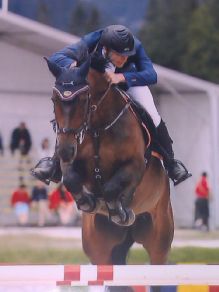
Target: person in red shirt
[[202, 191], [61, 201], [20, 200], [58, 196]]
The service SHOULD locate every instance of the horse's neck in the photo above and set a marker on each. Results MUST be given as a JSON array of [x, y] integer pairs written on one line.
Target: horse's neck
[[109, 101], [97, 82]]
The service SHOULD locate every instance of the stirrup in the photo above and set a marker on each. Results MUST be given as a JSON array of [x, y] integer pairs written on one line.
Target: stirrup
[[38, 175], [55, 174], [186, 175], [35, 175]]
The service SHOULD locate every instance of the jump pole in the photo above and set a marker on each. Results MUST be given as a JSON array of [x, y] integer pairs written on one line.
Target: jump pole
[[88, 275]]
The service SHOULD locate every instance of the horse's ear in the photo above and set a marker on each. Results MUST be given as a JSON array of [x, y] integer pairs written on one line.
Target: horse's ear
[[84, 68], [53, 67]]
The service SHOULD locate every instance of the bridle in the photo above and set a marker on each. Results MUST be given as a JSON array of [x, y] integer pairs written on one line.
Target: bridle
[[79, 133]]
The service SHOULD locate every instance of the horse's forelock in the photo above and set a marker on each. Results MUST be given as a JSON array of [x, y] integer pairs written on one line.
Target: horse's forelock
[[98, 62], [71, 83], [84, 68], [70, 77]]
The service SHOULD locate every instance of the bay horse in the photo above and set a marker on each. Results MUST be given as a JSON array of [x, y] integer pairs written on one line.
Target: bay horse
[[101, 148]]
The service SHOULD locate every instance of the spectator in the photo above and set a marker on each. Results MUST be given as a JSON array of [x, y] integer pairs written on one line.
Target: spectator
[[20, 202], [202, 191], [21, 140], [39, 199], [45, 149], [61, 201], [1, 145]]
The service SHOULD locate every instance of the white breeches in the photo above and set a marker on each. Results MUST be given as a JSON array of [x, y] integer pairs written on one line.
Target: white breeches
[[143, 96]]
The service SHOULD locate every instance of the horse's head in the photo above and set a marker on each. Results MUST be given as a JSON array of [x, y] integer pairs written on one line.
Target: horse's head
[[71, 105]]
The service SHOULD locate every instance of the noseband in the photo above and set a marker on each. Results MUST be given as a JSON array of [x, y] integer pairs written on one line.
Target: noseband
[[79, 133]]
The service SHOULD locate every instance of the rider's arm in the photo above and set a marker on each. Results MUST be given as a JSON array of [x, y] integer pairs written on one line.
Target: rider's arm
[[78, 51], [144, 73]]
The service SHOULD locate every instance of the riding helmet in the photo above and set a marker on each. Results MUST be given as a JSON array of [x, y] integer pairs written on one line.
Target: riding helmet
[[119, 39]]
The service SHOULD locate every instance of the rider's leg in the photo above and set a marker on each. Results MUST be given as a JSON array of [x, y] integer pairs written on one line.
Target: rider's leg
[[176, 170], [48, 169]]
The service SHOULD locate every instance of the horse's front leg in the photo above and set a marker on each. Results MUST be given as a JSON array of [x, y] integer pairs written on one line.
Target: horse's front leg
[[119, 191], [74, 184]]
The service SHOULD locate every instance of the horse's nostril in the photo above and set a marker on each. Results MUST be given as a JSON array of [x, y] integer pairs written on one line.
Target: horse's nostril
[[66, 153]]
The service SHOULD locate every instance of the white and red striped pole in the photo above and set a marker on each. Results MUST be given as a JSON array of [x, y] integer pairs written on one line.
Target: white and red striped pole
[[130, 275]]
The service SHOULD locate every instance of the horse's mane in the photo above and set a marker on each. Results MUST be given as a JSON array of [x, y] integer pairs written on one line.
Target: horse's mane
[[98, 62]]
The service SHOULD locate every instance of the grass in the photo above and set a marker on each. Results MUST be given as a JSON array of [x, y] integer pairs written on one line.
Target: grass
[[181, 255], [40, 250], [37, 249]]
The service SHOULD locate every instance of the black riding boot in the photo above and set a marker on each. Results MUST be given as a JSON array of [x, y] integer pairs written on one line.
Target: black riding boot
[[48, 169], [163, 144], [175, 168]]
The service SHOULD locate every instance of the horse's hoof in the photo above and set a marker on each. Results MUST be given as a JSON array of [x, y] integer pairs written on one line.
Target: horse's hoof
[[127, 221], [87, 203]]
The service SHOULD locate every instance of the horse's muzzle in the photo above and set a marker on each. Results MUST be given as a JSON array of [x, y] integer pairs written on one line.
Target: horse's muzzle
[[67, 153]]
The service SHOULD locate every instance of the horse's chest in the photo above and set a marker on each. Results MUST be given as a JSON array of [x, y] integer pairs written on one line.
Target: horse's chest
[[103, 154], [101, 161]]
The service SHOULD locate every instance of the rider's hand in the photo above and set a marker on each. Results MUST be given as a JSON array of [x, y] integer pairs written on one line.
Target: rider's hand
[[114, 78], [73, 64]]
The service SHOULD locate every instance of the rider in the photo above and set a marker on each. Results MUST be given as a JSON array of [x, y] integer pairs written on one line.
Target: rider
[[130, 66]]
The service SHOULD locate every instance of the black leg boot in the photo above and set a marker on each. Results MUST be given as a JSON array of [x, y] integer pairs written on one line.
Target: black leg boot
[[175, 168], [48, 169]]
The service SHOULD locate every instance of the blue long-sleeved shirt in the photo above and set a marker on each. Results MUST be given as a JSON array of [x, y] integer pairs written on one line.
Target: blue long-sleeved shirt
[[138, 70]]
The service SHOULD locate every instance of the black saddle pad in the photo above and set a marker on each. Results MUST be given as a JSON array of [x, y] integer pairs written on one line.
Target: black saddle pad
[[148, 122]]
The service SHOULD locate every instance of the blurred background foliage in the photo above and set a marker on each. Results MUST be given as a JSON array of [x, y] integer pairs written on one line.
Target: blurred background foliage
[[181, 35]]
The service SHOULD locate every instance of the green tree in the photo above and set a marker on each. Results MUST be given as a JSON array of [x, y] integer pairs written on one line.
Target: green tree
[[202, 58], [164, 30], [78, 20], [43, 13], [84, 19], [93, 22]]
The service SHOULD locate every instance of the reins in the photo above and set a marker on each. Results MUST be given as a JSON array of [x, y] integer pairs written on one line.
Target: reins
[[95, 106], [111, 124], [79, 133], [95, 133]]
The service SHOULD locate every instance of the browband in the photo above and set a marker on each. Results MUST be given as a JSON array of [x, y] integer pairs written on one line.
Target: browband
[[68, 95]]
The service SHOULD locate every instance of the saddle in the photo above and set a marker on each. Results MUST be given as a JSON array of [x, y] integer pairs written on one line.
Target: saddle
[[147, 126]]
